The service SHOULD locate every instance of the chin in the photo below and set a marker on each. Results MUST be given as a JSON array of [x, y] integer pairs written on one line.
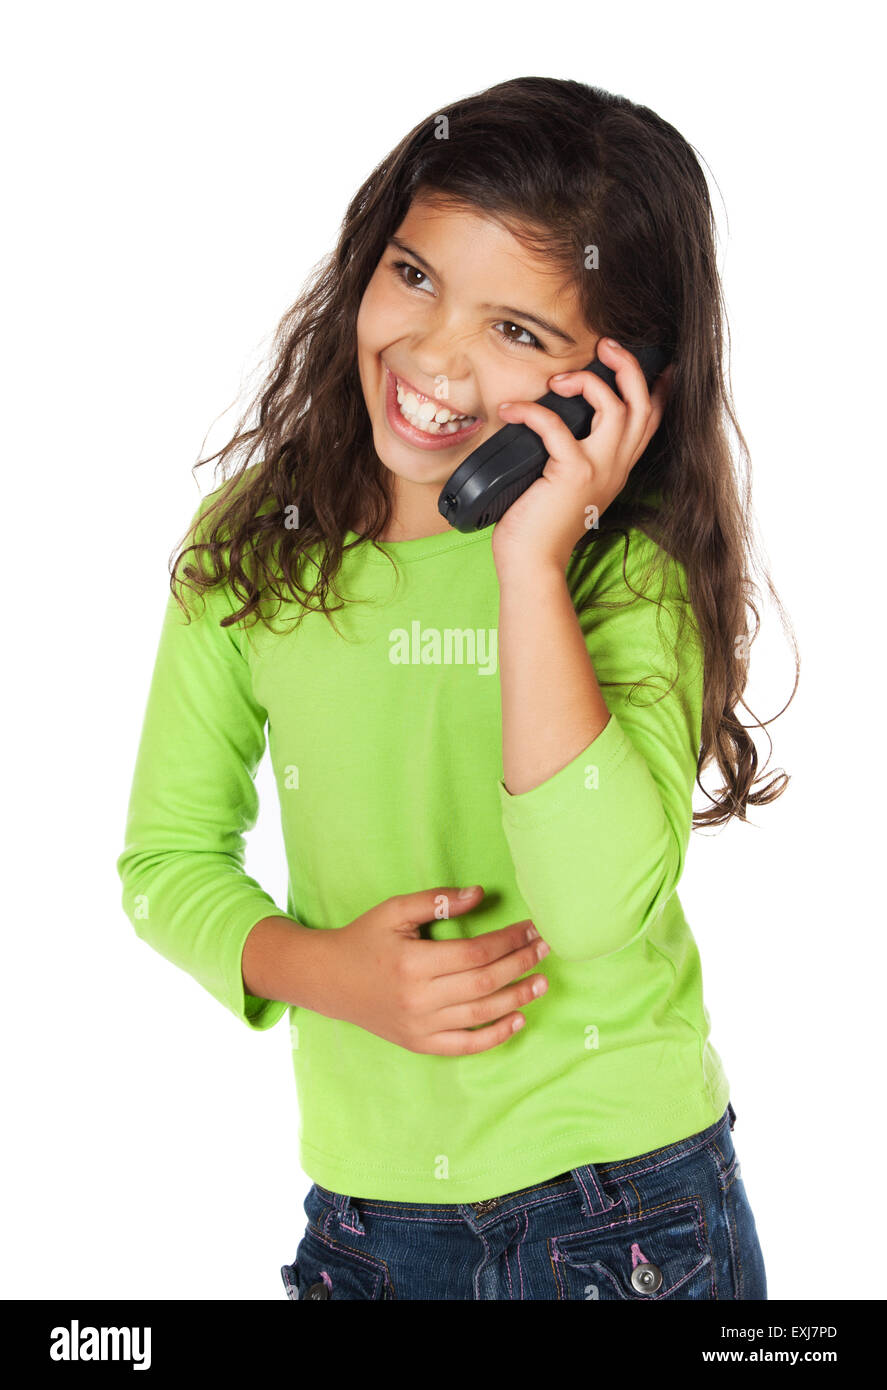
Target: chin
[[423, 469]]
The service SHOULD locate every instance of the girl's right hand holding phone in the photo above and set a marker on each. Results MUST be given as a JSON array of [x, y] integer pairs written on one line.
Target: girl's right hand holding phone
[[429, 996]]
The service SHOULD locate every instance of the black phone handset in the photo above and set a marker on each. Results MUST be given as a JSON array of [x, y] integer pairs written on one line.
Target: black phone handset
[[485, 484]]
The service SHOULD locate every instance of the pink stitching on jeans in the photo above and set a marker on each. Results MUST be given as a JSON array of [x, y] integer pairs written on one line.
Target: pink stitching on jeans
[[677, 1205], [461, 1220], [607, 1204], [397, 1216], [483, 1262], [637, 1256], [520, 1272], [372, 1262]]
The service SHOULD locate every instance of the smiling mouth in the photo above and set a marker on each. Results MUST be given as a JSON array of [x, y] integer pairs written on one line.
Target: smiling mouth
[[427, 415]]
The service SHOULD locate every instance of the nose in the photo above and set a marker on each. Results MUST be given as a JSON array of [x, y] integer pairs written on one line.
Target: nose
[[437, 371], [439, 354]]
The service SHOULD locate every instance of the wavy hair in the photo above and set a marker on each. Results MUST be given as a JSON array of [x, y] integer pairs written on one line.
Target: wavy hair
[[561, 165]]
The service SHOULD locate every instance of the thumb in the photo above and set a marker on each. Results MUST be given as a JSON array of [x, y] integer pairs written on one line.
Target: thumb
[[432, 904]]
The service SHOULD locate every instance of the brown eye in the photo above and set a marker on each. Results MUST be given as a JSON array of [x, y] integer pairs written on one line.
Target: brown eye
[[399, 267], [513, 341]]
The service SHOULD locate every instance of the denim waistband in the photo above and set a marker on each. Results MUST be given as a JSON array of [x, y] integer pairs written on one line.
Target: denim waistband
[[588, 1178]]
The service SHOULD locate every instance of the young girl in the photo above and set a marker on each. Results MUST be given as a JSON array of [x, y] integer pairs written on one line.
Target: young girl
[[524, 708]]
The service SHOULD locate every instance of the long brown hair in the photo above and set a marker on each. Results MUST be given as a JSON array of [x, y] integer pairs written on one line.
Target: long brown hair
[[564, 166]]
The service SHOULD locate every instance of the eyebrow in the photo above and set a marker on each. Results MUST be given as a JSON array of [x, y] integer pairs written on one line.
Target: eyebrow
[[544, 324]]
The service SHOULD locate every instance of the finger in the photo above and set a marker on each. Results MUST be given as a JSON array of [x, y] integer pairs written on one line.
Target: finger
[[441, 959], [558, 440], [462, 1042], [610, 413], [619, 420], [659, 400], [481, 981], [470, 1012], [409, 911]]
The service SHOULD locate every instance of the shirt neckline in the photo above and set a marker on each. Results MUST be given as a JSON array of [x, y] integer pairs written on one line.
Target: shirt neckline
[[420, 547]]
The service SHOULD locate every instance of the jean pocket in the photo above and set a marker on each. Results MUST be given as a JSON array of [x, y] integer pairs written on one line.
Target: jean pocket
[[661, 1253], [327, 1268]]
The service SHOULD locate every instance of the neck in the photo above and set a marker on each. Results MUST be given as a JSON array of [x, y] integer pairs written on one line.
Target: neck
[[414, 513]]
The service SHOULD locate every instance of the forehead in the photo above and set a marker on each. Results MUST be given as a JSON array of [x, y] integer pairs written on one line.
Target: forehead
[[477, 255]]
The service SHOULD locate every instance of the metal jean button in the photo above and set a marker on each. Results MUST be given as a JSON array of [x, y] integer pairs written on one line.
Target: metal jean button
[[318, 1291], [481, 1208], [646, 1278]]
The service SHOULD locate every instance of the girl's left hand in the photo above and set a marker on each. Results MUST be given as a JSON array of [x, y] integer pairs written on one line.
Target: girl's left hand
[[582, 476]]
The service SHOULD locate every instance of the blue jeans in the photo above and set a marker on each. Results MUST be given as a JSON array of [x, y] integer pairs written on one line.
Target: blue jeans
[[673, 1223]]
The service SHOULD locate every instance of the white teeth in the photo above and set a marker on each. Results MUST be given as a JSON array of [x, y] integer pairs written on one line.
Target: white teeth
[[427, 416]]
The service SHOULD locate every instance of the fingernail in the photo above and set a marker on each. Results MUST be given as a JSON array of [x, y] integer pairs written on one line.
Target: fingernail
[[467, 892], [532, 934], [506, 405], [611, 342]]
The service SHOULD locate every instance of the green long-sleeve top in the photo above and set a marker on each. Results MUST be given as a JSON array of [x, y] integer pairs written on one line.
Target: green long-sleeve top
[[386, 744]]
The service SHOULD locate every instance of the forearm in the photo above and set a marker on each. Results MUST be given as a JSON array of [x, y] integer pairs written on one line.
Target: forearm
[[284, 960], [552, 706]]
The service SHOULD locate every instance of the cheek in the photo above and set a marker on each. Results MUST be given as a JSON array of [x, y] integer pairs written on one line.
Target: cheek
[[364, 324], [377, 315]]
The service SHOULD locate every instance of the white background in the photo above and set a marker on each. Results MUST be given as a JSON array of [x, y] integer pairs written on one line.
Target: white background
[[172, 172]]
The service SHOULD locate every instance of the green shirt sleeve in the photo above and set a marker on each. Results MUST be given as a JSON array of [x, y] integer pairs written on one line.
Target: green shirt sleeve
[[192, 799], [599, 847]]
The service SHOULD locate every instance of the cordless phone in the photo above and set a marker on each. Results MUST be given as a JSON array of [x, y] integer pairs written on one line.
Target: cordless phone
[[485, 484]]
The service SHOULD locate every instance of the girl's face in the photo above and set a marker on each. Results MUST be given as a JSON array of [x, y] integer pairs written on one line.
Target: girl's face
[[457, 317]]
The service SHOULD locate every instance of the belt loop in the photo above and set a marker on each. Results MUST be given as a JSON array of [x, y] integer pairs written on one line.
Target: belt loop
[[732, 1114], [347, 1214], [595, 1201]]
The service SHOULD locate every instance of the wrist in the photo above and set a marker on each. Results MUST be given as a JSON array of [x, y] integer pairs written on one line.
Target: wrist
[[284, 960], [532, 572]]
